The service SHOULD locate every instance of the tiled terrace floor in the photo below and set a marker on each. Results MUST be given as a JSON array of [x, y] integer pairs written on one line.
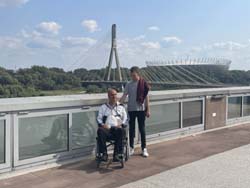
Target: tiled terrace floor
[[163, 157]]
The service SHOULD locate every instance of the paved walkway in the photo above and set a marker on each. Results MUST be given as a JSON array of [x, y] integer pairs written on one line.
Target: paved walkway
[[230, 169], [164, 158]]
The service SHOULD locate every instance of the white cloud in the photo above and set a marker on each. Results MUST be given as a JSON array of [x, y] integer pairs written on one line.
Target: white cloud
[[153, 28], [24, 33], [229, 45], [43, 42], [90, 25], [196, 49], [35, 39], [36, 47], [151, 45], [140, 37], [238, 52], [10, 3], [172, 40], [78, 41], [49, 27], [33, 34], [10, 42]]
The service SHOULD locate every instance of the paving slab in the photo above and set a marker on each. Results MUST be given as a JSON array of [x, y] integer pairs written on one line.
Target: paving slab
[[229, 169]]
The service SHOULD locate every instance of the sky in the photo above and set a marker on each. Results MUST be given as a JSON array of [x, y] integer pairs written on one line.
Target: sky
[[76, 34]]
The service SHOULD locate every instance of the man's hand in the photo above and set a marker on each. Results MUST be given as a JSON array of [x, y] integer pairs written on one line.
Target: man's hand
[[119, 126], [105, 126], [147, 113]]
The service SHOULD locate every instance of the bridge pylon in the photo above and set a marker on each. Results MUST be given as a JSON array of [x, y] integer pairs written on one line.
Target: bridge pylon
[[113, 52]]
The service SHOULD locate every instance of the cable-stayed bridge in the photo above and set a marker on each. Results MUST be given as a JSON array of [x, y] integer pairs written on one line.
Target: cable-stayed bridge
[[183, 72]]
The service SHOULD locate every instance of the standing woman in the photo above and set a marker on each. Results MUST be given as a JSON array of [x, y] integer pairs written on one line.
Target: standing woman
[[138, 107]]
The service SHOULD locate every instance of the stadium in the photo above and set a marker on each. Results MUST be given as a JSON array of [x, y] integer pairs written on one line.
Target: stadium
[[200, 71]]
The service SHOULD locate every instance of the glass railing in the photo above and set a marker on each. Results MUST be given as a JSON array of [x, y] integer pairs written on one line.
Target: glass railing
[[57, 134], [164, 117], [174, 116], [5, 152], [234, 107], [2, 141], [238, 108], [246, 106], [192, 113], [51, 134], [54, 134], [83, 129], [44, 135]]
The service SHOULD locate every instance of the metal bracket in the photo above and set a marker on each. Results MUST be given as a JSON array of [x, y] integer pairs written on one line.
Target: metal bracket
[[85, 107], [3, 114], [23, 113], [219, 96]]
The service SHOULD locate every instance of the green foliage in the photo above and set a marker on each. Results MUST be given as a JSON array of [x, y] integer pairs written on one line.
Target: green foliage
[[93, 89], [16, 91], [30, 81], [41, 80]]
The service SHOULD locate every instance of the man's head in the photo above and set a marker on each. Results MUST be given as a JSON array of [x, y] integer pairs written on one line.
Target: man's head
[[112, 95], [135, 73]]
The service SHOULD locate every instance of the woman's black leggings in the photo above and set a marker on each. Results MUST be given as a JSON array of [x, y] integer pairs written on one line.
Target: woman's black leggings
[[140, 115]]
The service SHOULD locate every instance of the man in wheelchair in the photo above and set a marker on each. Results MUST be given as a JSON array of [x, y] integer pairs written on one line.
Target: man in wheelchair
[[112, 119]]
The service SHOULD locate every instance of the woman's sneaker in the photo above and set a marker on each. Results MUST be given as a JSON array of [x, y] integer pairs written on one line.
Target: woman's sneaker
[[145, 152], [132, 151]]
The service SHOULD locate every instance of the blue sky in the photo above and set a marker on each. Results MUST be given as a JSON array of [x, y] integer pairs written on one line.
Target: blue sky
[[74, 34]]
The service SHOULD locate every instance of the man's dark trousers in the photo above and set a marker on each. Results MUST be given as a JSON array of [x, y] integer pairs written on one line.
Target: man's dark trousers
[[116, 134]]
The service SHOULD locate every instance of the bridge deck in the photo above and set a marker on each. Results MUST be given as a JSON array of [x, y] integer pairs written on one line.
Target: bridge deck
[[98, 82], [164, 156]]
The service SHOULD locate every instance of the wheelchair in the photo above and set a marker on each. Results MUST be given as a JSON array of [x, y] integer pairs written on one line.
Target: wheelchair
[[110, 145]]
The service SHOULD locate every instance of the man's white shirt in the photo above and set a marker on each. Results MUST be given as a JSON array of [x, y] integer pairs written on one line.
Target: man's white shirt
[[116, 115]]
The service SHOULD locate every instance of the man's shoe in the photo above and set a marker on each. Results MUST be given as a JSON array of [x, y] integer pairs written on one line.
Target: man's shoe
[[132, 151], [104, 157], [145, 152]]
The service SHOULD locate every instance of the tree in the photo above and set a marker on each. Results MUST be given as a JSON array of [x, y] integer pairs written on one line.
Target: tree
[[93, 89]]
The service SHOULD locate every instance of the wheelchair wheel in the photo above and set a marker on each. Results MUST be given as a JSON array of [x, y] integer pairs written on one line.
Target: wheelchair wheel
[[98, 162], [97, 155], [126, 154], [126, 150], [122, 163]]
